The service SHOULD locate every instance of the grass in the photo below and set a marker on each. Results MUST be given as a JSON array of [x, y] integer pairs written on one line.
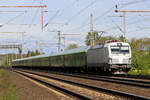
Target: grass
[[139, 72], [6, 88]]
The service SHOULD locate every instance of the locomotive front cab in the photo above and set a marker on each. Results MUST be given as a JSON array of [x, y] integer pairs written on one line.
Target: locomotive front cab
[[119, 57]]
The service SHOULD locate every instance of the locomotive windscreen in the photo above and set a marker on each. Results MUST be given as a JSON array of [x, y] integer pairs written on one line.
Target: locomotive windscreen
[[119, 49]]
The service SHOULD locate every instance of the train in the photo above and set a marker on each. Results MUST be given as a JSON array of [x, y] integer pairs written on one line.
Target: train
[[113, 57]]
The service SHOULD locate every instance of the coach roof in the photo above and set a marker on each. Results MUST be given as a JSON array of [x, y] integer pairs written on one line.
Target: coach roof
[[72, 51]]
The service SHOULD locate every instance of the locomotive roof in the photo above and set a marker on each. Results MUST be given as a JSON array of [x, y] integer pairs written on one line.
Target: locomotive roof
[[72, 51], [114, 43], [108, 44]]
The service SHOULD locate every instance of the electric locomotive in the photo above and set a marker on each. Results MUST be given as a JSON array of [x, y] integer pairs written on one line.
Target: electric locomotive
[[113, 56]]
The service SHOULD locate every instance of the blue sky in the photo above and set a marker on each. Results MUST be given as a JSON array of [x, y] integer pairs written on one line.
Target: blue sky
[[71, 17]]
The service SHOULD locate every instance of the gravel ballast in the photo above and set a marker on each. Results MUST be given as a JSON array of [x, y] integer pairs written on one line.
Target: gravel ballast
[[28, 90]]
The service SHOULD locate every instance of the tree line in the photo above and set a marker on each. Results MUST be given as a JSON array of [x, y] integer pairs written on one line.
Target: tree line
[[32, 53]]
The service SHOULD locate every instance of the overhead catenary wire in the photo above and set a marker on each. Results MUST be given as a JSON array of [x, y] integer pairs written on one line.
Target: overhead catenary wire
[[12, 11], [120, 29], [104, 13], [131, 3], [42, 2], [139, 29], [66, 7], [136, 30], [59, 12], [83, 25], [23, 21], [80, 12], [34, 17], [124, 11], [137, 21], [20, 26], [12, 19], [87, 23], [122, 6], [33, 1], [127, 4], [52, 18]]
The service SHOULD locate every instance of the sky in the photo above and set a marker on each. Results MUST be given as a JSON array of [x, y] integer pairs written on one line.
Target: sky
[[69, 17]]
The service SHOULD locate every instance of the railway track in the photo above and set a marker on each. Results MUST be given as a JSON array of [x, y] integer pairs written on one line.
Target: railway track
[[66, 91], [110, 91], [134, 76], [118, 80]]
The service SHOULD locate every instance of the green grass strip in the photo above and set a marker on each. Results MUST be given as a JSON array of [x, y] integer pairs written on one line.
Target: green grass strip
[[6, 88]]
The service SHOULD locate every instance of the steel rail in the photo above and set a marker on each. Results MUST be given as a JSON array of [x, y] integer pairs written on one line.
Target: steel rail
[[111, 91], [147, 77], [125, 79], [70, 93], [137, 83]]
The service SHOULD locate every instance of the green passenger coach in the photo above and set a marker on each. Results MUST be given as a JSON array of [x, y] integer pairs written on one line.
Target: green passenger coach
[[71, 59]]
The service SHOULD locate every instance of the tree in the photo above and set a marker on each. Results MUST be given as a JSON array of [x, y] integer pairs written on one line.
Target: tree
[[29, 53], [88, 40], [37, 52], [141, 55], [72, 46], [121, 38], [33, 53], [98, 39]]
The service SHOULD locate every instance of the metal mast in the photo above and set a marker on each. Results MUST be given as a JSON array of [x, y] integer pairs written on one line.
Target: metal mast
[[59, 41], [65, 38], [42, 11], [129, 11], [91, 31]]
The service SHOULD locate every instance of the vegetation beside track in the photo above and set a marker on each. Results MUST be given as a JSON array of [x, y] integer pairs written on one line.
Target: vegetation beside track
[[6, 88], [6, 59], [140, 56]]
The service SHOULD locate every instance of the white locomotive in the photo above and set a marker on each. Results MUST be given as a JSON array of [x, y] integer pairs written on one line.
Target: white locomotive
[[113, 56]]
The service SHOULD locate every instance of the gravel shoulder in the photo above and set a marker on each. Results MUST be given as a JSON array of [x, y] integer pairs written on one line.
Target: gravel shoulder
[[27, 90]]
